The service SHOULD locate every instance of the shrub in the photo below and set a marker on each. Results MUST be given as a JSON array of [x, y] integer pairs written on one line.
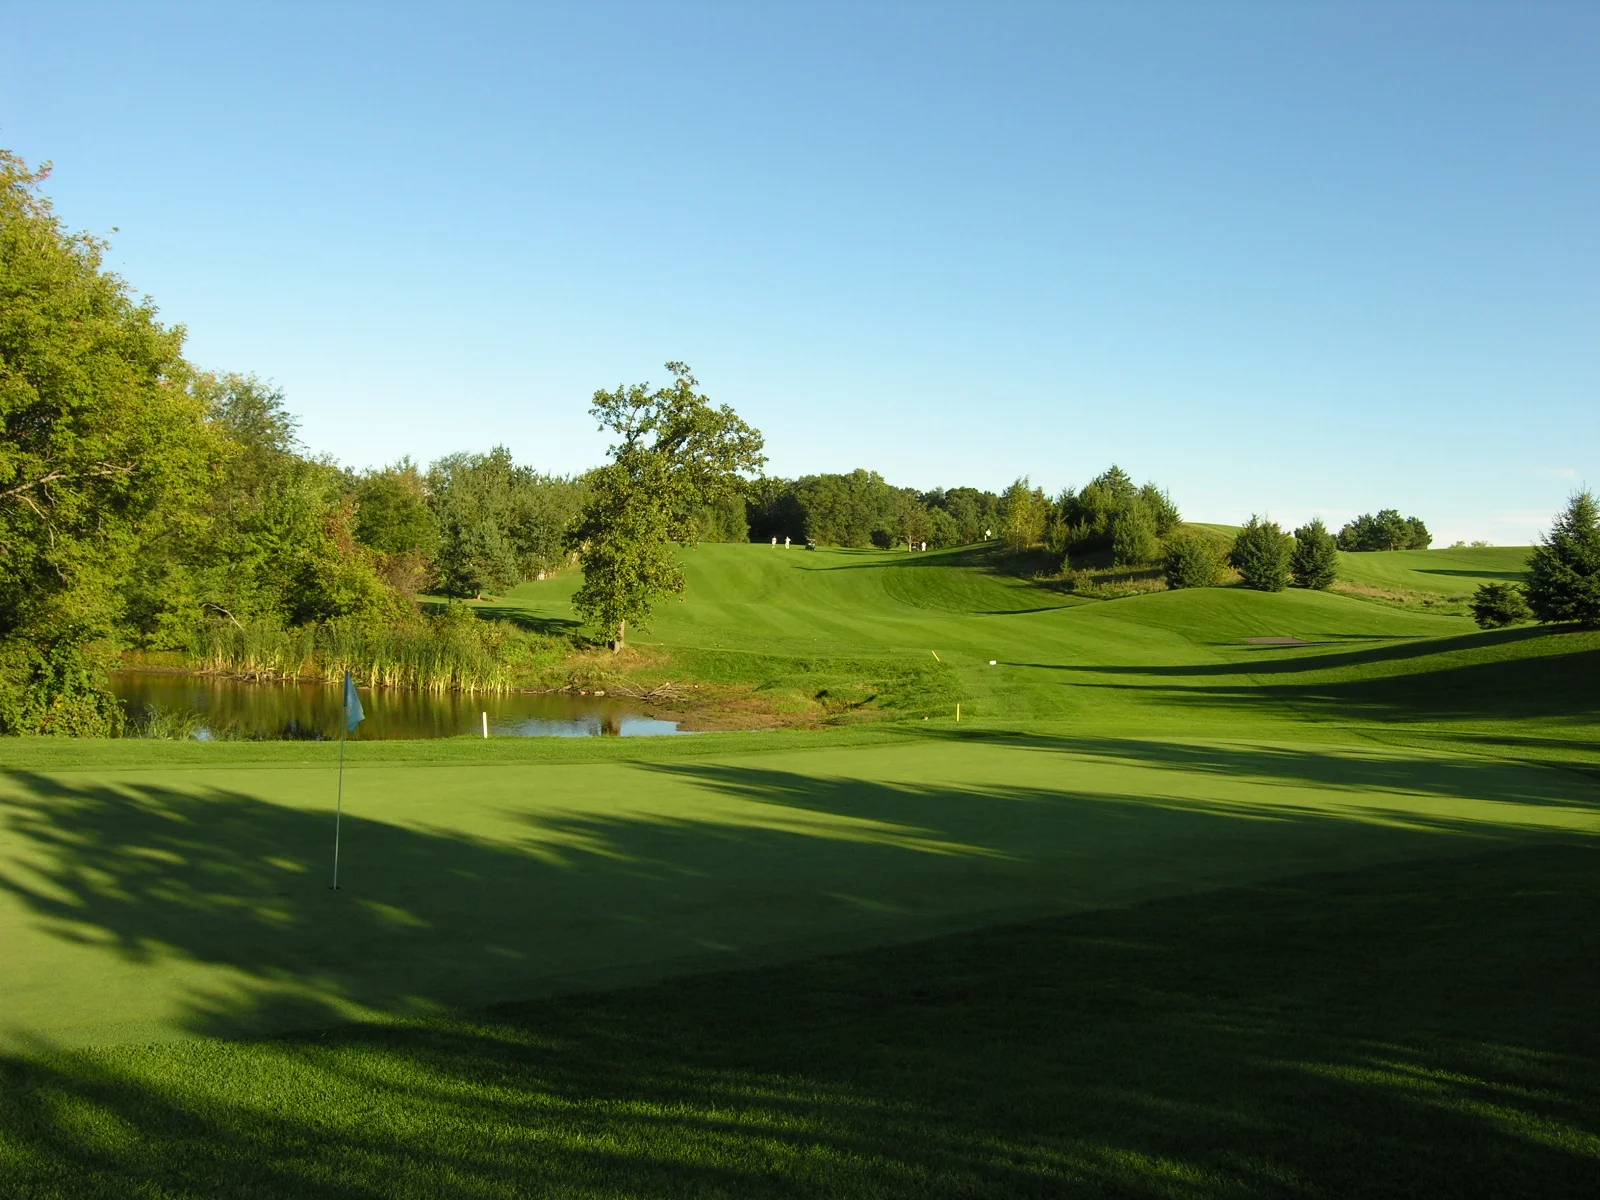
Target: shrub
[[1261, 555], [1564, 571], [1315, 561], [1496, 605], [1190, 562]]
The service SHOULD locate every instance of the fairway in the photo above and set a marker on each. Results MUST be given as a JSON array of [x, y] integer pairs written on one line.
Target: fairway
[[1122, 769]]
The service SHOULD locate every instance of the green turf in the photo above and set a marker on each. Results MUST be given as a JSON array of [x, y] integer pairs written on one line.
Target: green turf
[[1355, 961]]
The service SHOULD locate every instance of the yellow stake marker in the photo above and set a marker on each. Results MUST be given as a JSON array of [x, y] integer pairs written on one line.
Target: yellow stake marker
[[936, 657], [958, 714]]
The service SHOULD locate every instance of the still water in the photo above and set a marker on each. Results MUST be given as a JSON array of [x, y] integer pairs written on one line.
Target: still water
[[222, 708]]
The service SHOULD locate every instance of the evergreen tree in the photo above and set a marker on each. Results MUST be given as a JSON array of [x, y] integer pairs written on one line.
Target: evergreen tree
[[1315, 560], [1133, 536], [1495, 605], [1190, 562], [1564, 570], [1261, 555]]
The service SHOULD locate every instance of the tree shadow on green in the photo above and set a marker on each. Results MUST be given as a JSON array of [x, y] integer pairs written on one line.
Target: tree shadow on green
[[1350, 769], [1415, 1030], [1555, 645]]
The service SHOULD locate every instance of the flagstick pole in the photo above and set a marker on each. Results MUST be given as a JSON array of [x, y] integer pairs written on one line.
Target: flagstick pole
[[338, 813]]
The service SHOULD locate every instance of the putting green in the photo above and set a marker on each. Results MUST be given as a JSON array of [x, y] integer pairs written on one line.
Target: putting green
[[141, 905]]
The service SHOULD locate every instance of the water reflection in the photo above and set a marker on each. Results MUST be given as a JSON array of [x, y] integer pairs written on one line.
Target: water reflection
[[234, 708]]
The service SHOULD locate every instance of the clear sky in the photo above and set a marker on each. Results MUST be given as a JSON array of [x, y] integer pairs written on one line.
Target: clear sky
[[1281, 257]]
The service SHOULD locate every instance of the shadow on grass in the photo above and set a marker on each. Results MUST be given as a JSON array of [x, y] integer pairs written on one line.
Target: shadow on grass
[[1515, 576], [1254, 660], [1424, 1029]]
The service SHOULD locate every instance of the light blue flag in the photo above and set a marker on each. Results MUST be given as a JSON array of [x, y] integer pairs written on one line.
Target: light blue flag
[[354, 714]]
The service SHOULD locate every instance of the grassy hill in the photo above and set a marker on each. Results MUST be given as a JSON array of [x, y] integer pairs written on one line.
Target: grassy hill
[[1437, 579], [1167, 913]]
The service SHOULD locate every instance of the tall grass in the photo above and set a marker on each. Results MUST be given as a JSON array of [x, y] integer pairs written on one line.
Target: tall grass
[[450, 652]]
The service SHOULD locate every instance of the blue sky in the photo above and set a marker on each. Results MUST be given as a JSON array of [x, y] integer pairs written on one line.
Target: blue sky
[[1282, 257]]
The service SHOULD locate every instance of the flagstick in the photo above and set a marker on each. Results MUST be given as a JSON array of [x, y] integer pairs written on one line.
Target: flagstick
[[338, 814]]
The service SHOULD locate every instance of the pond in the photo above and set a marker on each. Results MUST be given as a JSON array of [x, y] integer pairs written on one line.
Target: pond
[[208, 707]]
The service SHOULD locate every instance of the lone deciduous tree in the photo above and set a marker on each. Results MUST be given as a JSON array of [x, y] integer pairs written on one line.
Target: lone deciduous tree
[[675, 453]]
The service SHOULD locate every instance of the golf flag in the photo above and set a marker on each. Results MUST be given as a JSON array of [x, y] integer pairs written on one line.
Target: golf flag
[[353, 716], [353, 712]]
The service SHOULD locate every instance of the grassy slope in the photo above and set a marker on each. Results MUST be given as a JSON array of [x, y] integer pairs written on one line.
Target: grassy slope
[[1125, 751], [1442, 572]]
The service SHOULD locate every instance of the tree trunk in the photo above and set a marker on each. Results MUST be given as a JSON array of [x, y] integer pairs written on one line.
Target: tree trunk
[[622, 632]]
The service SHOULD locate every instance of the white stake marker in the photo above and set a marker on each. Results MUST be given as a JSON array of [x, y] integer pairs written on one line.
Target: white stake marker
[[485, 725]]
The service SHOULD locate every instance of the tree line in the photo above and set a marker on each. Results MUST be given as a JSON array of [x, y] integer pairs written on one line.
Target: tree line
[[144, 500]]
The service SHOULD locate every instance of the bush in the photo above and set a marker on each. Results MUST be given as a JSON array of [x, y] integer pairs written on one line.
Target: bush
[[1564, 571], [1315, 561], [55, 688], [1496, 605], [1261, 555], [1190, 562]]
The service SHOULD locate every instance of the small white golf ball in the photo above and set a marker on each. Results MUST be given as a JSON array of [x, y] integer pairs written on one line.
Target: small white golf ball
[[992, 663]]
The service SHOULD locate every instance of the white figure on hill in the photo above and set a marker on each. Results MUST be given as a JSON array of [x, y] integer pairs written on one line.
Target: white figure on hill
[[785, 543], [774, 541]]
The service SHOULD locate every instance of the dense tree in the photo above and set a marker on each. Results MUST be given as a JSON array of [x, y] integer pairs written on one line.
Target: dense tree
[[474, 501], [1134, 541], [675, 453], [100, 434], [1315, 560], [1024, 512], [1564, 569], [1086, 521], [1385, 530], [1496, 605], [1190, 561], [857, 509], [773, 510], [1261, 555], [912, 525], [942, 528], [499, 523], [392, 514], [973, 512]]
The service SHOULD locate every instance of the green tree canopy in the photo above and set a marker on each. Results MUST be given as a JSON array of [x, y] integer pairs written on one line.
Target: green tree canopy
[[1564, 569], [1085, 521], [1315, 559], [100, 433], [1385, 530], [1134, 541], [1496, 605], [1261, 555], [1190, 562], [675, 453], [1024, 512]]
